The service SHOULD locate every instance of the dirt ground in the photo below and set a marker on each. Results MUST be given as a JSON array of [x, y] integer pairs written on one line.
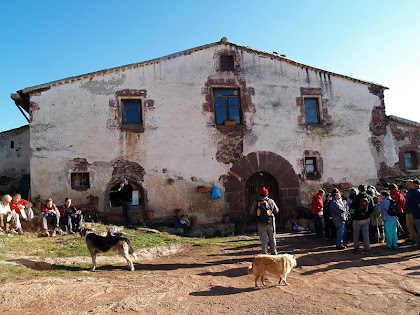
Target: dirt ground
[[186, 281]]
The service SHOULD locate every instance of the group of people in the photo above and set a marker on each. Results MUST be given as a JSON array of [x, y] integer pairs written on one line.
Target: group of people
[[366, 210], [14, 209]]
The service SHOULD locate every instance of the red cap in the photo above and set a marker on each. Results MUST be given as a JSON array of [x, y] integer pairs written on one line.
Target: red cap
[[264, 191]]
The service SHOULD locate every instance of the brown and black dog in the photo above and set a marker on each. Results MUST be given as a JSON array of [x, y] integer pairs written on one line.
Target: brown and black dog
[[101, 244]]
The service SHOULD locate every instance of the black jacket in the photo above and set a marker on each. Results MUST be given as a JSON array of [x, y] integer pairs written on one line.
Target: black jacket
[[358, 214], [126, 193]]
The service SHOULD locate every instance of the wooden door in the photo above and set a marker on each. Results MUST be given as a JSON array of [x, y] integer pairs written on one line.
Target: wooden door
[[252, 190]]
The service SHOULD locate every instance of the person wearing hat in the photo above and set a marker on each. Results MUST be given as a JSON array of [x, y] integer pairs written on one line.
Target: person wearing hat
[[264, 209]]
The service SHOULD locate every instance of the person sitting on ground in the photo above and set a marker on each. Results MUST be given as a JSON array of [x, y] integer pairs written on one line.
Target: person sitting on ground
[[390, 222], [5, 212], [23, 208], [51, 214], [70, 216], [12, 220]]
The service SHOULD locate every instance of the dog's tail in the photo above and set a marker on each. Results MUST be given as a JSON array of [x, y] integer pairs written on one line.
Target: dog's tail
[[250, 270]]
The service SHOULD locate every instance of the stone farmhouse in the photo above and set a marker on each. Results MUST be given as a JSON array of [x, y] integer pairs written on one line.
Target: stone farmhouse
[[220, 114]]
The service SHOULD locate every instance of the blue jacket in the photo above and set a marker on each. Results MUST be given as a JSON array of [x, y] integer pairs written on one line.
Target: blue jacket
[[383, 207]]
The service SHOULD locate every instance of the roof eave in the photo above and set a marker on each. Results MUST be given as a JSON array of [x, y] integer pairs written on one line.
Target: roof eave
[[48, 85]]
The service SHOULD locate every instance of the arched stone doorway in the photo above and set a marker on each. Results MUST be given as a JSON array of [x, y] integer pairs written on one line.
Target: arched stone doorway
[[235, 183], [113, 206]]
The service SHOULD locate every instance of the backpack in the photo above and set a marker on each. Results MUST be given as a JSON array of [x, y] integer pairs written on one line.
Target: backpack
[[393, 208], [363, 204], [263, 212]]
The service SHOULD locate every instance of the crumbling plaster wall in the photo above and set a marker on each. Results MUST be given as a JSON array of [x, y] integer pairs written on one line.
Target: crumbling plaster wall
[[344, 143], [14, 157], [73, 122], [398, 139], [81, 120]]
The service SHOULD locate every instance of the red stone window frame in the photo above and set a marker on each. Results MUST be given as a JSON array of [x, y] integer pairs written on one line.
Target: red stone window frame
[[413, 150], [323, 116], [315, 157], [222, 54], [135, 126]]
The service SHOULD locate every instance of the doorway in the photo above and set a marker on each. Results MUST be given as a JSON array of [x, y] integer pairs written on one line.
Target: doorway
[[252, 190]]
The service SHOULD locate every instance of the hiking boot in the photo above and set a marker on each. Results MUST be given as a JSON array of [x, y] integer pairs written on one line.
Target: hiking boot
[[53, 234], [20, 232], [70, 232]]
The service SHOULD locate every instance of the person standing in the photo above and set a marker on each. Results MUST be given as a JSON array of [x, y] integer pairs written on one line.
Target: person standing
[[409, 220], [339, 213], [396, 195], [264, 209], [390, 222], [317, 211], [415, 208], [363, 207], [126, 195]]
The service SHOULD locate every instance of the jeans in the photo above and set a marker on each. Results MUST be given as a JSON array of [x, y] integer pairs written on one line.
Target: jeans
[[267, 234], [391, 235], [318, 225], [54, 219], [341, 234], [126, 205], [69, 220], [364, 226]]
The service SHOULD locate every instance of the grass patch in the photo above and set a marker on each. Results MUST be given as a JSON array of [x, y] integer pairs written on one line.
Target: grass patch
[[16, 252]]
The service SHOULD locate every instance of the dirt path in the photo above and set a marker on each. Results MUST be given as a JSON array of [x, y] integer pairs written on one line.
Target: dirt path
[[186, 282]]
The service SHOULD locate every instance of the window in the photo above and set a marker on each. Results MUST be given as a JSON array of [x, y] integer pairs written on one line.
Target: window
[[312, 110], [131, 112], [226, 63], [12, 144], [310, 166], [410, 161], [80, 181], [227, 106]]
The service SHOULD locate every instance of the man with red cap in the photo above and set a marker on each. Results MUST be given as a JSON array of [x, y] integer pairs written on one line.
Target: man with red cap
[[264, 209]]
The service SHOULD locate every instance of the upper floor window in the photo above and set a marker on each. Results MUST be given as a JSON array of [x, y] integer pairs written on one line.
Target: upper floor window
[[226, 63], [312, 110], [410, 160], [131, 112], [227, 106], [80, 181]]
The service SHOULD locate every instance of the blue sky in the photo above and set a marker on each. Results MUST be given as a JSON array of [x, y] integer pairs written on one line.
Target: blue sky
[[43, 41]]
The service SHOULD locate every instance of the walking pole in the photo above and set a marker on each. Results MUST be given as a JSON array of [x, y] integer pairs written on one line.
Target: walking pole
[[377, 226]]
